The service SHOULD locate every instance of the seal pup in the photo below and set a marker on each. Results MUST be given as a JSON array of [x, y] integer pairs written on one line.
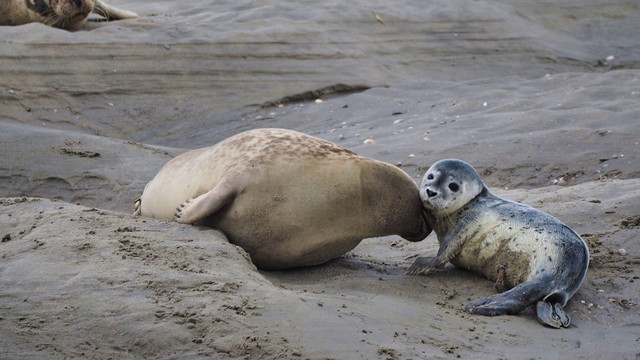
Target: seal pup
[[64, 14], [533, 254], [286, 198]]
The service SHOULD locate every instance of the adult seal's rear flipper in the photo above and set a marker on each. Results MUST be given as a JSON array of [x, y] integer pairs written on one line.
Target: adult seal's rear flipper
[[137, 207], [111, 13], [194, 210]]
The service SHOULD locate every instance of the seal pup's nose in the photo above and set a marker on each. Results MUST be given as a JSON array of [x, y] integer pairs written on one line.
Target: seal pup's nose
[[78, 2], [431, 193]]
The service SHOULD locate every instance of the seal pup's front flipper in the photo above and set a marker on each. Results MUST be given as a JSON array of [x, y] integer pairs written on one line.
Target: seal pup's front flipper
[[194, 210], [111, 13], [450, 247], [424, 265]]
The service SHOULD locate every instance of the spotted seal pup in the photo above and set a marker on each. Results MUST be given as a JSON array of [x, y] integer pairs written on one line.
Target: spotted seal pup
[[64, 14], [537, 257], [286, 198]]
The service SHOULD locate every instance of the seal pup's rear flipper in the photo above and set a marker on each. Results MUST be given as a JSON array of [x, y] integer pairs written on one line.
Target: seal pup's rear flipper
[[111, 13], [552, 315], [510, 302]]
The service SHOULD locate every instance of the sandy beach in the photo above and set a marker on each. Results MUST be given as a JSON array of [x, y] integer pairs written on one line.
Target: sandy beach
[[542, 98]]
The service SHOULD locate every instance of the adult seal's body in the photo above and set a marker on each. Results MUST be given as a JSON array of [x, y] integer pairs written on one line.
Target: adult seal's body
[[288, 199], [65, 14], [523, 249]]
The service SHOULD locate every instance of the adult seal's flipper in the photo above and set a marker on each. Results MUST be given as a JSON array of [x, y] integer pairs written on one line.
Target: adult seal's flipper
[[194, 210], [111, 13], [137, 206]]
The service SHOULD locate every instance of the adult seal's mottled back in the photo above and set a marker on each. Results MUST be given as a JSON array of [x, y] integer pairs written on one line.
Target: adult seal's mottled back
[[65, 14], [287, 198], [523, 249]]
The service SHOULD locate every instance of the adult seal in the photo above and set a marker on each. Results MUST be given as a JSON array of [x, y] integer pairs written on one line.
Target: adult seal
[[64, 14], [537, 257], [286, 198]]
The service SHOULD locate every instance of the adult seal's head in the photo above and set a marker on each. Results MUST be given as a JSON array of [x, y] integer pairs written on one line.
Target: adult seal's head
[[532, 255], [287, 198], [65, 14]]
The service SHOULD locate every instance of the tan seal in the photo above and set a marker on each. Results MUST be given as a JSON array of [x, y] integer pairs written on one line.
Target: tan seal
[[531, 254], [287, 198], [65, 14]]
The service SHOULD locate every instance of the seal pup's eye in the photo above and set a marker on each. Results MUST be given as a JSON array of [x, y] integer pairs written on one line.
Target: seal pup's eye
[[454, 187], [430, 177]]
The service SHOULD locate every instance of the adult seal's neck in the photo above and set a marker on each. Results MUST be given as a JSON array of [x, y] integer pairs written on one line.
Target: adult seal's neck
[[422, 230]]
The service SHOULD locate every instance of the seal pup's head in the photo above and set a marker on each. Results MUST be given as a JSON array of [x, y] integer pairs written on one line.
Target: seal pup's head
[[62, 13], [448, 185]]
